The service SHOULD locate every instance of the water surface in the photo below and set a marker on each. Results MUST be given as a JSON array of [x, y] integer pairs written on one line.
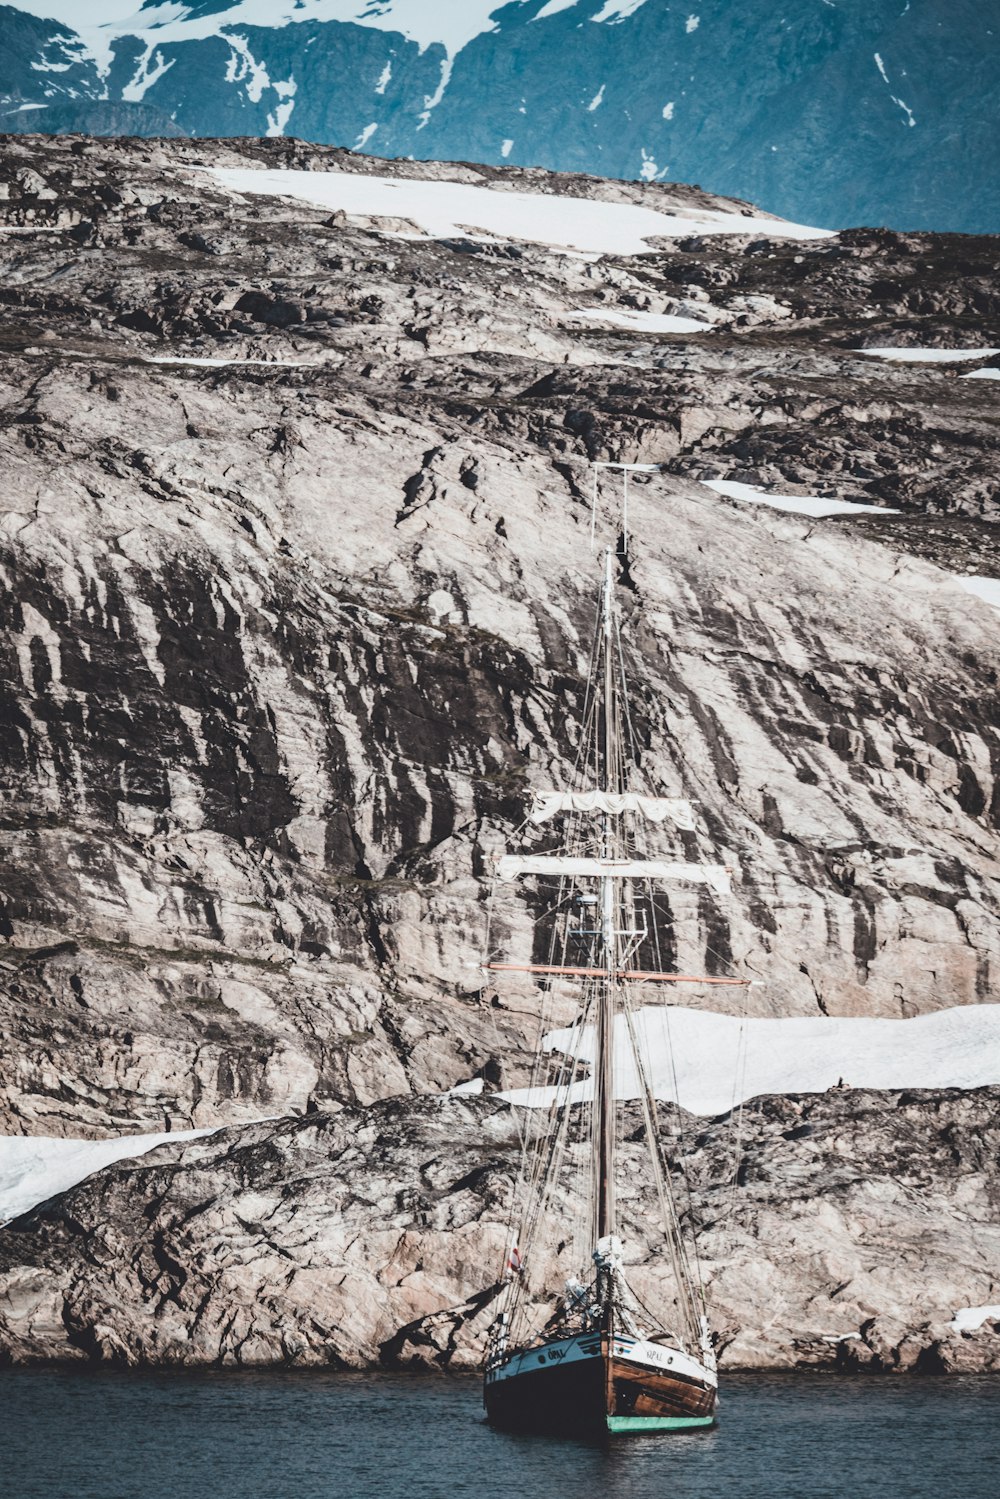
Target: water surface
[[309, 1435]]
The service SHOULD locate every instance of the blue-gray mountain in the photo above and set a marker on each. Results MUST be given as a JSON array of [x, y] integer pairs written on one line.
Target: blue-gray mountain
[[831, 111]]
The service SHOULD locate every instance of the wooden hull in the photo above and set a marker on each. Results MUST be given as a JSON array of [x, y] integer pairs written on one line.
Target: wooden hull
[[588, 1387]]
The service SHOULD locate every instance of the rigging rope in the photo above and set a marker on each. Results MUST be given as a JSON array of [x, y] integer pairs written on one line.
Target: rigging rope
[[560, 1153]]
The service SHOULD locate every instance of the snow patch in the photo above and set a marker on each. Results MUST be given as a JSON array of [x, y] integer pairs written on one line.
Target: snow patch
[[441, 208], [639, 322], [506, 147], [212, 362], [144, 77], [471, 1089], [795, 504], [365, 136], [243, 67], [279, 117], [383, 78], [988, 374], [709, 1063], [597, 100], [34, 1168], [431, 101], [691, 24], [649, 171], [971, 1318], [616, 11], [668, 110], [901, 104], [987, 589], [927, 356], [553, 7]]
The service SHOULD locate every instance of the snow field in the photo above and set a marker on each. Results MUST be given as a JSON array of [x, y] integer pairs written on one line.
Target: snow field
[[451, 23], [709, 1063], [987, 589], [448, 210], [928, 356], [971, 1318], [34, 1168], [639, 322], [795, 504]]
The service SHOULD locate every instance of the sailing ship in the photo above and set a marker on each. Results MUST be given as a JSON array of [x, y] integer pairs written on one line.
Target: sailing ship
[[593, 1360]]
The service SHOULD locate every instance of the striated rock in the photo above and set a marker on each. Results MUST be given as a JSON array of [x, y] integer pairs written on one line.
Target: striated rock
[[286, 644], [856, 1226]]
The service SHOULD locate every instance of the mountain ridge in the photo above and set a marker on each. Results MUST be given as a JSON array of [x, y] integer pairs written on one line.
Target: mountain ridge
[[860, 111]]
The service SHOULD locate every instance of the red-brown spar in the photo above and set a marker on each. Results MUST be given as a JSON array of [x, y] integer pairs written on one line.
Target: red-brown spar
[[592, 1359]]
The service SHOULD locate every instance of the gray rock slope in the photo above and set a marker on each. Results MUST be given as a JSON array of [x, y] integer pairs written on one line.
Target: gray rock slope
[[863, 111], [286, 644], [858, 1223]]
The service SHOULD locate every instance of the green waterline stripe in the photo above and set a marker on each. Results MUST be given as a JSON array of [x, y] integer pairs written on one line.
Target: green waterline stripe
[[658, 1423]]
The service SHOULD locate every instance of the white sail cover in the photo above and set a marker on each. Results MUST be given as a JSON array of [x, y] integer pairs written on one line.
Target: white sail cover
[[548, 804], [716, 876]]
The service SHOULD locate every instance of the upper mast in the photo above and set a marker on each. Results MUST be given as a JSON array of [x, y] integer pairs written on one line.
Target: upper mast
[[604, 1101]]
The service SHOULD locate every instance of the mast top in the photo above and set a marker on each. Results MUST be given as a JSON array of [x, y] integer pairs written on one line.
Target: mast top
[[625, 469], [608, 609]]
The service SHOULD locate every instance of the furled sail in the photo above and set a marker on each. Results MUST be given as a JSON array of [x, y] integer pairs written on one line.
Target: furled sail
[[716, 876], [548, 804]]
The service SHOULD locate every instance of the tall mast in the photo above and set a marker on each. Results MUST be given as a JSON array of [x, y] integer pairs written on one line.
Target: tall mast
[[604, 1103], [604, 851]]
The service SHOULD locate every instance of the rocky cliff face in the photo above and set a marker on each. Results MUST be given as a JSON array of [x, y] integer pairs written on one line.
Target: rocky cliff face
[[858, 1223], [864, 111], [288, 642], [290, 632]]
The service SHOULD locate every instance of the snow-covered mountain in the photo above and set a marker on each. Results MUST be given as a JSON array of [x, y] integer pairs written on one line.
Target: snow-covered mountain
[[827, 111]]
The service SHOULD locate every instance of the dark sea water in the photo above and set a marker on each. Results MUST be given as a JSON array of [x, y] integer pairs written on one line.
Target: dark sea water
[[68, 1435]]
